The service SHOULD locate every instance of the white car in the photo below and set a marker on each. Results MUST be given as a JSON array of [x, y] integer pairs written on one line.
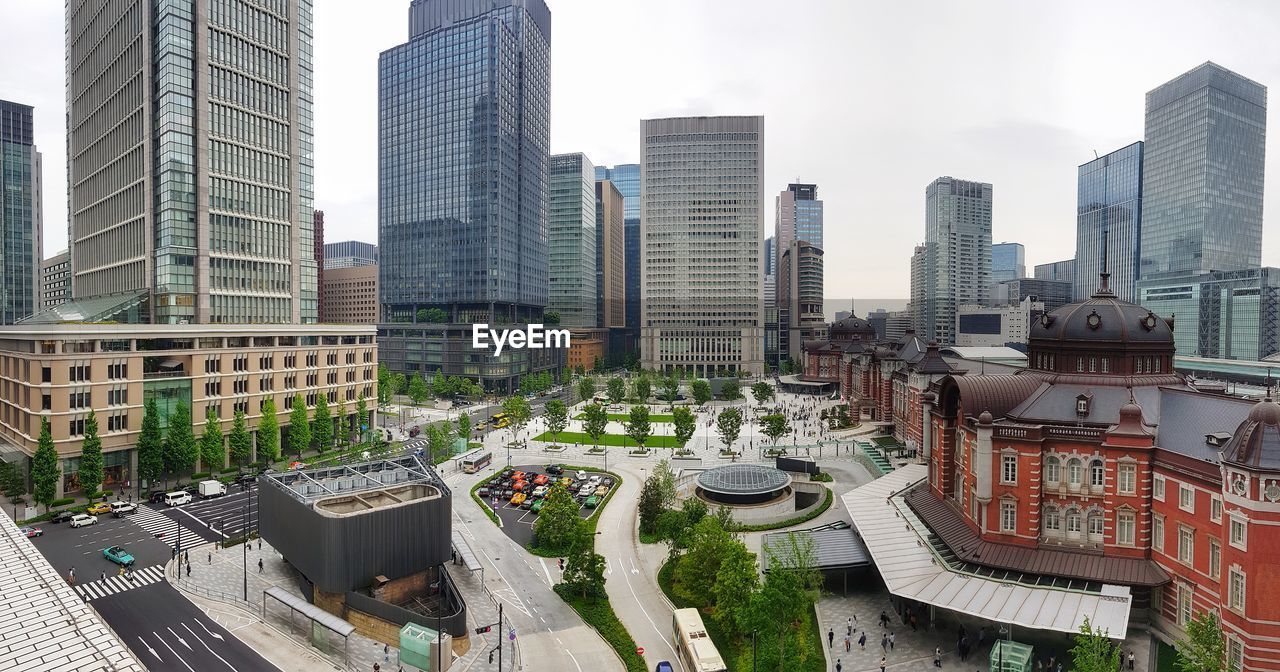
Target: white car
[[121, 508], [594, 481], [586, 490], [82, 519], [540, 491]]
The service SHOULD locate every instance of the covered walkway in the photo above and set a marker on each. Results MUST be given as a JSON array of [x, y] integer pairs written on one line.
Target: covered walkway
[[315, 614]]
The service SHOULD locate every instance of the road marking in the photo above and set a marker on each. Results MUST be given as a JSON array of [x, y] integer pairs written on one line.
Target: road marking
[[211, 633], [645, 611], [153, 651], [543, 562], [189, 514], [575, 660], [206, 646], [180, 639], [175, 653]]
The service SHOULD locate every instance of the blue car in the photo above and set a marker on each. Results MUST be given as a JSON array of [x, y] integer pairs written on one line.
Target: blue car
[[664, 666], [118, 555]]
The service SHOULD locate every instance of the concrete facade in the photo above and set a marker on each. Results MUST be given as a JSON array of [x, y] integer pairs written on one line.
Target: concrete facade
[[350, 295]]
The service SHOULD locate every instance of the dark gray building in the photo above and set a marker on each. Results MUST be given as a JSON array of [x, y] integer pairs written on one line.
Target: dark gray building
[[21, 217], [626, 177], [1223, 314], [956, 267], [1202, 174], [463, 169], [1064, 271], [1053, 293], [349, 254], [1109, 221]]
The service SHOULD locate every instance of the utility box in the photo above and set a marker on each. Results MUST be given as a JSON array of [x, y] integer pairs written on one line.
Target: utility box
[[418, 649]]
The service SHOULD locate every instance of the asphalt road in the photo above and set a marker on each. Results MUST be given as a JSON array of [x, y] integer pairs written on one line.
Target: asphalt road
[[66, 547], [220, 517]]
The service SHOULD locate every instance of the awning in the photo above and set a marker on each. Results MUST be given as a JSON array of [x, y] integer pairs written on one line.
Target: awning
[[316, 614], [910, 569], [464, 551], [832, 548]]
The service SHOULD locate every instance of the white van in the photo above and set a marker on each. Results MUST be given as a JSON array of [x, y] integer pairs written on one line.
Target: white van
[[177, 498]]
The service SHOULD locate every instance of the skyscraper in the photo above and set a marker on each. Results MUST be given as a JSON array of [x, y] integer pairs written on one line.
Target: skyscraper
[[21, 217], [797, 217], [1063, 271], [348, 253], [571, 240], [1109, 221], [189, 142], [957, 257], [701, 232], [1202, 174], [611, 257], [1008, 261], [463, 171], [626, 177], [800, 287]]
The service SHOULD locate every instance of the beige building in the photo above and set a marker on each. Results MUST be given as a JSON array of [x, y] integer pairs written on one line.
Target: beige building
[[61, 371], [611, 258], [55, 280], [350, 295]]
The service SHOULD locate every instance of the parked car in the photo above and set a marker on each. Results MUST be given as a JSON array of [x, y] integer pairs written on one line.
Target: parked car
[[594, 480], [517, 499], [506, 473], [555, 469], [528, 502], [118, 555], [414, 431], [119, 509], [566, 481], [519, 486], [31, 531], [541, 479], [582, 475], [506, 493], [192, 489], [157, 497], [177, 498], [601, 490], [585, 491], [540, 491], [100, 507], [518, 475], [297, 466], [62, 517], [607, 481], [246, 479], [83, 519], [482, 492], [537, 506], [592, 502]]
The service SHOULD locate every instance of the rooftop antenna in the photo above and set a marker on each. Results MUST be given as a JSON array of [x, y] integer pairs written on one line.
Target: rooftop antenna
[[1095, 153]]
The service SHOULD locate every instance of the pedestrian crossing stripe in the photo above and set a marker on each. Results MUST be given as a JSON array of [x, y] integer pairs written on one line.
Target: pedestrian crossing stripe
[[118, 584], [156, 523]]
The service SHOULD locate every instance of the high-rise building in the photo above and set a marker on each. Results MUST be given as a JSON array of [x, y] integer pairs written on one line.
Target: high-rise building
[[55, 280], [1052, 293], [702, 231], [611, 257], [350, 295], [317, 227], [770, 257], [1202, 174], [800, 285], [771, 336], [571, 240], [463, 173], [797, 216], [626, 177], [957, 259], [1005, 325], [189, 144], [1008, 261], [21, 216], [350, 253], [1109, 222], [1223, 314], [919, 289], [1063, 271]]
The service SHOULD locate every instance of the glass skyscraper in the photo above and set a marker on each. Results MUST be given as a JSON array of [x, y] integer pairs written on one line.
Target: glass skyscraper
[[1202, 175], [626, 177], [463, 178], [1008, 262], [954, 268], [1223, 314], [571, 240], [1109, 222], [21, 219], [797, 217]]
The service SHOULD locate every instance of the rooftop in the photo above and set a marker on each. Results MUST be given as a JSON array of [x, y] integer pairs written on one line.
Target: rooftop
[[743, 479], [361, 486]]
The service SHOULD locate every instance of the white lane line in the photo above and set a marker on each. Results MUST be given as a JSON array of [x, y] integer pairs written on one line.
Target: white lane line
[[175, 653], [644, 611], [202, 523], [575, 660], [206, 646], [547, 572]]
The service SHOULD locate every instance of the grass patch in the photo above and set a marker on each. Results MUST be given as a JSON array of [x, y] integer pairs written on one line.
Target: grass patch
[[598, 614], [624, 417], [620, 440], [650, 538], [814, 513]]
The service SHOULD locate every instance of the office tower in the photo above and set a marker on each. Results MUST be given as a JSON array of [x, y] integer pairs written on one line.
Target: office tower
[[1222, 314], [797, 216], [1202, 174], [1052, 293], [919, 289], [463, 172], [571, 240], [770, 257], [611, 257], [771, 336], [1063, 271], [626, 177], [348, 253], [317, 251], [189, 143], [800, 289], [1005, 325], [21, 216], [957, 260], [701, 232], [1109, 221], [55, 280], [1008, 261], [350, 295]]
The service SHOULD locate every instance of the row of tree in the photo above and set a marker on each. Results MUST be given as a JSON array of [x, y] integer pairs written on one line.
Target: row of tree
[[668, 390], [419, 389]]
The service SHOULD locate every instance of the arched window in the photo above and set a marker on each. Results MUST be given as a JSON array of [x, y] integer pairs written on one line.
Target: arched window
[[1106, 365], [1093, 364], [1097, 473], [1073, 522], [1079, 364], [1095, 527], [1052, 469], [1075, 471], [1052, 521]]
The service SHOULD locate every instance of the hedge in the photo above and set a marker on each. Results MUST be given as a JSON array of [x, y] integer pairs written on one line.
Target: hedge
[[199, 475], [813, 513], [484, 507], [821, 477], [62, 502], [599, 615]]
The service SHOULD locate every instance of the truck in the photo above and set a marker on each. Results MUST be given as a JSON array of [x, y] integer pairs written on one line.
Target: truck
[[212, 489]]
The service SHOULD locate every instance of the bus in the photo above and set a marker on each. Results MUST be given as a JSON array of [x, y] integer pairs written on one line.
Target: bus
[[475, 460], [501, 420], [693, 644]]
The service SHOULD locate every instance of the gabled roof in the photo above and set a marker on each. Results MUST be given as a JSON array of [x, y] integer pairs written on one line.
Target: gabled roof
[[998, 394], [1186, 417]]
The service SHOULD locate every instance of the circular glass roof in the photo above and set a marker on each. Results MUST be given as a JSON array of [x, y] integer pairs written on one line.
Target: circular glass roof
[[743, 479]]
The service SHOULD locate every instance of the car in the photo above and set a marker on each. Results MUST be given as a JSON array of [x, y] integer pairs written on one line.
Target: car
[[518, 499], [555, 469], [119, 509], [582, 475], [519, 486], [297, 466], [594, 480], [585, 491], [607, 481], [31, 531], [540, 491], [177, 498], [100, 507], [157, 497], [62, 517], [592, 502], [537, 506], [506, 473], [541, 479], [118, 555], [664, 666], [192, 489], [246, 479], [506, 493], [565, 481], [482, 492], [528, 502], [414, 431], [82, 519], [601, 490], [482, 426]]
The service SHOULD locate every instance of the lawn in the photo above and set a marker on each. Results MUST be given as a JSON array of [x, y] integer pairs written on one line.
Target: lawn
[[624, 417], [607, 440]]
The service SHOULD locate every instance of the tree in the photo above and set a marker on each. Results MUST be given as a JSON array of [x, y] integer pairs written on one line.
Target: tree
[[666, 483], [557, 417], [551, 317], [344, 424], [1201, 650], [91, 457], [322, 423], [642, 388], [673, 530], [299, 427], [44, 467], [520, 413], [11, 481], [731, 391], [180, 449], [464, 426], [729, 425], [557, 521], [784, 599], [650, 506], [708, 545], [432, 315], [1094, 650], [616, 389], [362, 418], [438, 440], [762, 391], [419, 390], [669, 389], [594, 420], [775, 427], [269, 433], [150, 445], [212, 453], [701, 390], [586, 388], [399, 383], [685, 425], [736, 581], [638, 427], [384, 385], [240, 440], [583, 567]]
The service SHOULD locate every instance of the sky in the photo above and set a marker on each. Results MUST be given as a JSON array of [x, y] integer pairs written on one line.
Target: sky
[[869, 100]]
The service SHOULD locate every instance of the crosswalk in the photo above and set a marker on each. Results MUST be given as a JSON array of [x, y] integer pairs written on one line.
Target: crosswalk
[[163, 527], [118, 584]]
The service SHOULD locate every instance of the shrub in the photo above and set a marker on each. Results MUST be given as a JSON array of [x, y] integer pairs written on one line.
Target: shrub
[[821, 477], [199, 475], [598, 614], [62, 502]]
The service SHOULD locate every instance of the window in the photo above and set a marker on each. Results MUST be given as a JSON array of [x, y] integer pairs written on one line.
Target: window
[[1187, 498], [1009, 470], [1215, 509], [1157, 533], [1157, 488], [46, 402], [1008, 516], [1215, 558], [1073, 522], [1127, 475], [266, 362], [116, 371], [1239, 534], [1075, 471], [46, 374], [1235, 655], [1235, 590], [75, 427], [1097, 474], [1095, 527], [213, 365], [117, 423], [1185, 594], [1125, 528], [79, 399], [1052, 469], [1186, 545], [79, 374], [1052, 521]]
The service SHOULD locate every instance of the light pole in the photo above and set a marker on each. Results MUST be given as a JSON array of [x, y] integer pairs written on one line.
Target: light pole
[[245, 548]]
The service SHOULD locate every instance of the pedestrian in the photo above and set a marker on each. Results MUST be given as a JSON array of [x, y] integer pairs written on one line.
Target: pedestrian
[[259, 543], [849, 625], [884, 620], [1130, 661], [884, 642], [386, 653], [862, 640], [188, 570], [1059, 666], [562, 564], [892, 640], [913, 621], [838, 665], [377, 667], [102, 577], [937, 656], [211, 557], [831, 637], [882, 663], [259, 565], [186, 557], [848, 645]]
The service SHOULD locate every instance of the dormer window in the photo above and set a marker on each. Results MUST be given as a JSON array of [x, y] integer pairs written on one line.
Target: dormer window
[[1082, 404]]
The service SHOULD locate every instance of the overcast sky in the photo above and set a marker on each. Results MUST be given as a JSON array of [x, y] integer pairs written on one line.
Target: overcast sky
[[870, 100]]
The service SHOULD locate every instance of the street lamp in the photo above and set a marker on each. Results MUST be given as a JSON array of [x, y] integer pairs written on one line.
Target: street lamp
[[245, 547]]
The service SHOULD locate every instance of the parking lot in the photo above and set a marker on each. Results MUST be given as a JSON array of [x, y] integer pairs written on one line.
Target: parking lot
[[517, 523]]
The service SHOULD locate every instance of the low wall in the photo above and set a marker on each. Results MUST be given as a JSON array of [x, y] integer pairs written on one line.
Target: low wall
[[774, 511]]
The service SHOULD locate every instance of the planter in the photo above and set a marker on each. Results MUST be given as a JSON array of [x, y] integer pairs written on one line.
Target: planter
[[553, 449], [595, 451], [639, 452]]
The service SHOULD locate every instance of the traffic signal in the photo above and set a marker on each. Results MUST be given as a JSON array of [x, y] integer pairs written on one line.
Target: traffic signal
[[483, 629], [490, 657]]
